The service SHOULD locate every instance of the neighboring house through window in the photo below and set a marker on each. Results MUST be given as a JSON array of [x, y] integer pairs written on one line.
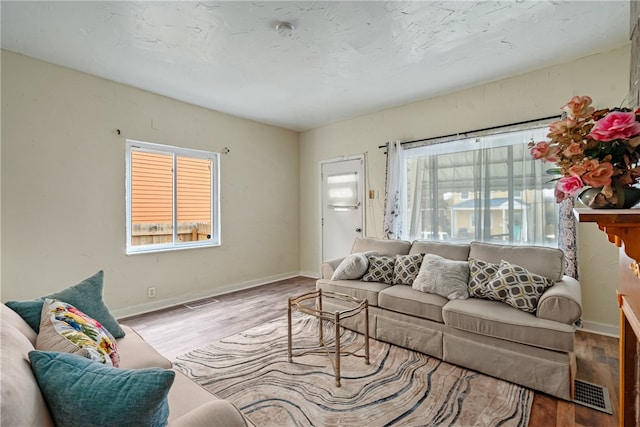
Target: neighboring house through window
[[172, 198], [485, 188]]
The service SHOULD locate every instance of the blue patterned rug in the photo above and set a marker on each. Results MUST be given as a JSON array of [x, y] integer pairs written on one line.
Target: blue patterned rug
[[399, 388]]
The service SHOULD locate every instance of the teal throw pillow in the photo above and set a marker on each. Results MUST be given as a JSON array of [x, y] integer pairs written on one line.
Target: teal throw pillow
[[86, 296], [83, 393]]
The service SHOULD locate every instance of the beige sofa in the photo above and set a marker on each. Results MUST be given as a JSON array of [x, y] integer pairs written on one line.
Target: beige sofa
[[535, 350], [23, 405]]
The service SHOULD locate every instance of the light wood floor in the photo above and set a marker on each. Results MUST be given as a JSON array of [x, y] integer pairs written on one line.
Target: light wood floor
[[177, 330]]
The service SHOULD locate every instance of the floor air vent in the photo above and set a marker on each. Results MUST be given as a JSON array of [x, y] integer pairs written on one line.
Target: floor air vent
[[592, 395], [200, 303]]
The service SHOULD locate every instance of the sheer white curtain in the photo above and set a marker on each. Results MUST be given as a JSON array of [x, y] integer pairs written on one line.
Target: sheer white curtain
[[392, 227], [485, 188]]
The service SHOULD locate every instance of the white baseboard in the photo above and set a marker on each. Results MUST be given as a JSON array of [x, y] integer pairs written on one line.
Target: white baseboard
[[601, 328], [311, 274], [194, 296]]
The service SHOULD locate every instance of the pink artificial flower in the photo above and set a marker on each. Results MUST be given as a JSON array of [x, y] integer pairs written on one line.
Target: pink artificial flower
[[560, 127], [591, 164], [599, 176], [560, 195], [573, 149], [553, 155], [578, 107], [570, 185], [615, 125], [577, 170], [540, 150]]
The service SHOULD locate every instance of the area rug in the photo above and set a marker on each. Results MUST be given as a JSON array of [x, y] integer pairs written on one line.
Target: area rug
[[400, 387]]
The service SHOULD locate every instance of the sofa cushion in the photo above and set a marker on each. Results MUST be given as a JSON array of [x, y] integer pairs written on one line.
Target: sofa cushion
[[214, 413], [380, 269], [444, 277], [517, 287], [354, 288], [404, 299], [192, 405], [65, 328], [498, 320], [406, 268], [547, 262], [86, 295], [353, 266], [136, 353], [454, 251], [80, 392], [480, 274], [21, 403], [381, 246]]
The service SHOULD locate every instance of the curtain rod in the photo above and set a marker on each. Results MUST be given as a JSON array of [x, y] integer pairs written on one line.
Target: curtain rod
[[474, 131]]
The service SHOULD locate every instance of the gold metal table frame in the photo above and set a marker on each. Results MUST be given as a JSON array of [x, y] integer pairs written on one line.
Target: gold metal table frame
[[333, 352]]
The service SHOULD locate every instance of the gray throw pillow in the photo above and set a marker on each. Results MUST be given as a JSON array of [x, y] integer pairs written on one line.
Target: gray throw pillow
[[444, 277], [352, 267]]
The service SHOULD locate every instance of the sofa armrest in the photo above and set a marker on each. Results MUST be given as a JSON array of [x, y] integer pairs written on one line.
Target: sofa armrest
[[562, 302], [212, 414], [328, 267]]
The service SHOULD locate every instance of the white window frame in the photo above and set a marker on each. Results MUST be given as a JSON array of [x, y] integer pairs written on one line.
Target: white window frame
[[214, 157]]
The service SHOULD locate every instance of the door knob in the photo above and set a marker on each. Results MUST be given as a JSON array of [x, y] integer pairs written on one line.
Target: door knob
[[359, 230]]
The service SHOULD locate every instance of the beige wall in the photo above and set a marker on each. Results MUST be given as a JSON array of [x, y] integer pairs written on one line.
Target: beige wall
[[63, 190], [605, 77], [62, 207]]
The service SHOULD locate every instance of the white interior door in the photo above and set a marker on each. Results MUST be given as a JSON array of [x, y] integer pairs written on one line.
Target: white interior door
[[342, 205]]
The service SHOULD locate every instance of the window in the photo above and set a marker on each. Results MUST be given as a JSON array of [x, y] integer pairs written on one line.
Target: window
[[488, 189], [342, 191], [172, 198]]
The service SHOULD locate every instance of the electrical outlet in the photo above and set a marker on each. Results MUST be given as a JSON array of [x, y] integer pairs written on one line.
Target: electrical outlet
[[151, 292]]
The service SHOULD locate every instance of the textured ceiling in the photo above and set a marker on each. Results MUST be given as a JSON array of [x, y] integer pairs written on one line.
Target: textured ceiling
[[343, 59]]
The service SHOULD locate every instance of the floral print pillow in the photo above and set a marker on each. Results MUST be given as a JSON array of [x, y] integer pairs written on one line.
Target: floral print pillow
[[66, 329]]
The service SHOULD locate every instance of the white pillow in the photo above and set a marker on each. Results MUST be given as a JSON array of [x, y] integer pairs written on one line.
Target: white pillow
[[352, 267], [444, 277]]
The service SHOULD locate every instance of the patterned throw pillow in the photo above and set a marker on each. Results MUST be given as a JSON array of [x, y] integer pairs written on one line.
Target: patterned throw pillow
[[380, 269], [406, 268], [480, 274], [66, 329], [517, 287]]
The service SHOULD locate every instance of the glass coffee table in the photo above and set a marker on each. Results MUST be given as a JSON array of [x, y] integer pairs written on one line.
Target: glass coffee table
[[311, 304]]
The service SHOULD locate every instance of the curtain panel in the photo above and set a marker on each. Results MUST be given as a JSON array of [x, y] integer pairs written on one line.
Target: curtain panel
[[485, 188], [392, 226]]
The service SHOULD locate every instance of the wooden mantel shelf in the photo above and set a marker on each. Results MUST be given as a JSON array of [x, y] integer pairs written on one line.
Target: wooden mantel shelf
[[621, 226]]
